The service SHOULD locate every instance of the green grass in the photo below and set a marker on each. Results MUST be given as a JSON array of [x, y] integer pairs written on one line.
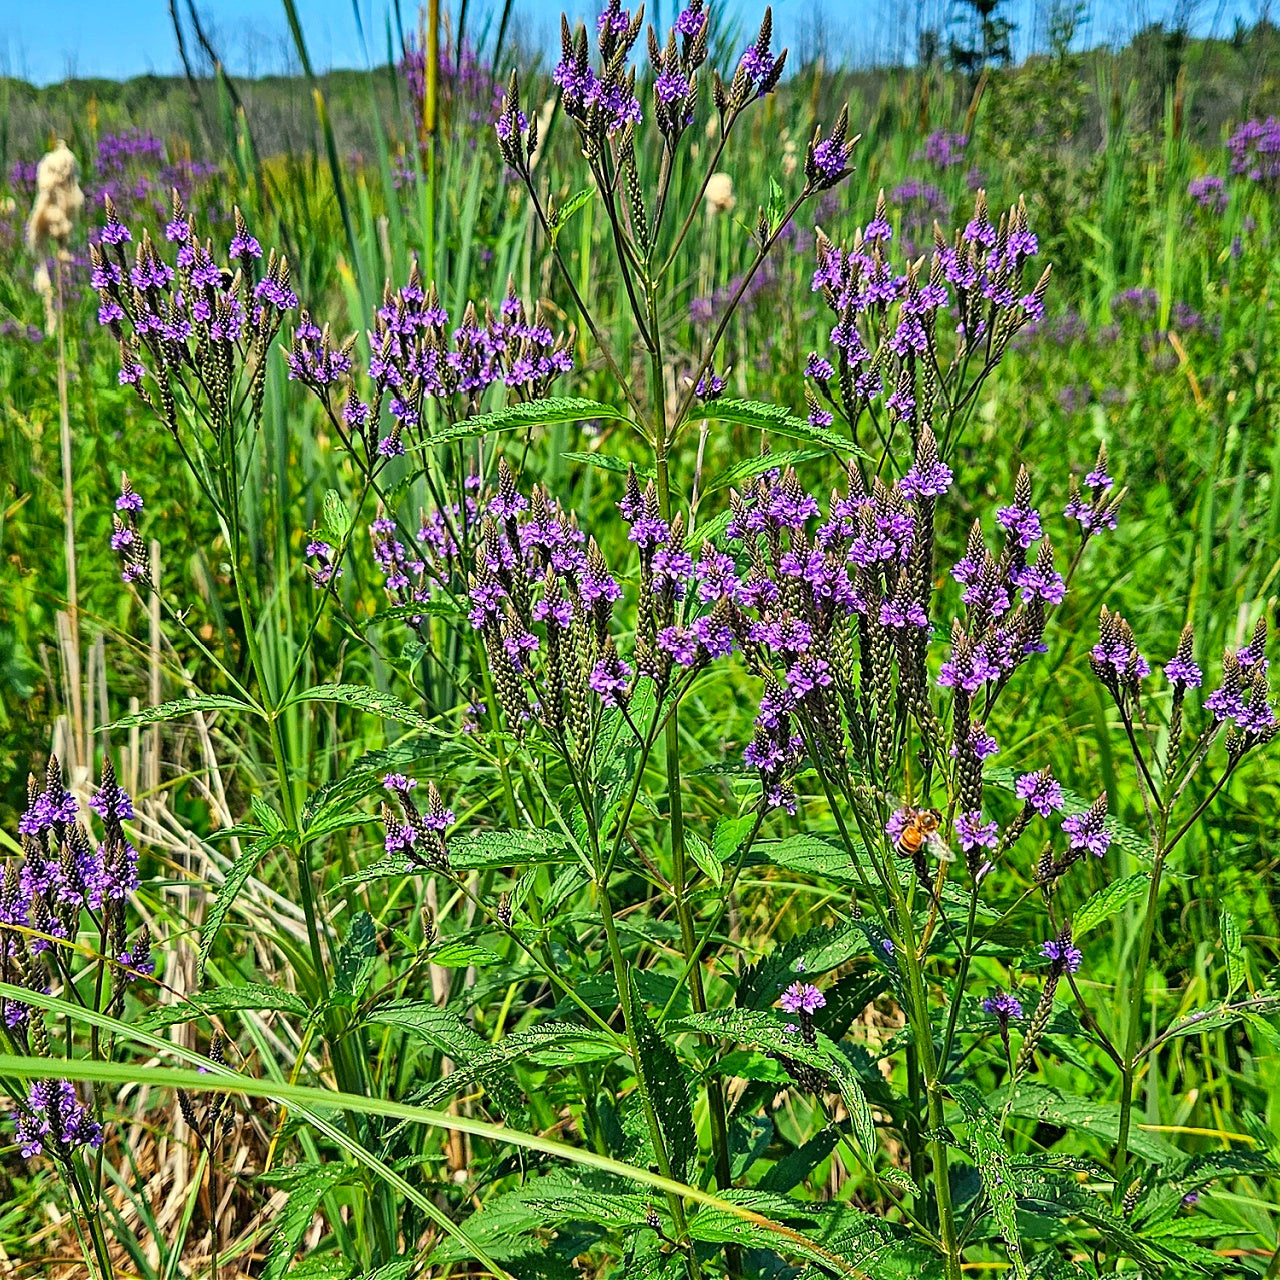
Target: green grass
[[1188, 406]]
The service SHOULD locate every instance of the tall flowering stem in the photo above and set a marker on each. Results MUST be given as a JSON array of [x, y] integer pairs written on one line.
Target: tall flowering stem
[[600, 101]]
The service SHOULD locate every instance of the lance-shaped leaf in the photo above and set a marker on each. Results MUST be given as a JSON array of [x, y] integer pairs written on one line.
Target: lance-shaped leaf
[[249, 998], [383, 704], [992, 1159], [180, 707], [774, 418], [536, 413], [241, 869], [667, 1084], [765, 1030], [1106, 902]]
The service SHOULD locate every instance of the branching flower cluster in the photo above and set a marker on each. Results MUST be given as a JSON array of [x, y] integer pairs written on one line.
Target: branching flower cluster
[[68, 883], [196, 323], [417, 358]]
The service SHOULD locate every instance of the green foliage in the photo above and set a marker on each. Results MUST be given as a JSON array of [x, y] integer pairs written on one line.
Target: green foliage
[[488, 1066]]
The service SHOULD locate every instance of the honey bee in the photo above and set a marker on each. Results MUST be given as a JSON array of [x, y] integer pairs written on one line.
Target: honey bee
[[921, 829]]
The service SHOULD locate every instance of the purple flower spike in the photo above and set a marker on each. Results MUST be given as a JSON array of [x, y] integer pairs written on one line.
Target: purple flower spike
[[1066, 956], [803, 998], [973, 833], [1040, 791], [1006, 1007], [1183, 673], [609, 677], [1087, 831], [55, 1121]]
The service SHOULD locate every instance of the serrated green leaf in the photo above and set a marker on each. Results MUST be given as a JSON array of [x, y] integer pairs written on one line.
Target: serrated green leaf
[[445, 1032], [667, 1084], [479, 851], [383, 704], [1106, 902], [562, 214], [249, 998], [356, 955], [339, 820], [461, 955], [442, 608], [718, 1226], [751, 1064], [809, 855], [710, 531], [992, 1159], [800, 1162], [604, 462], [804, 955], [701, 852], [268, 819], [492, 850], [730, 834], [291, 1223], [536, 413], [1223, 1014], [241, 869], [337, 520], [552, 1044], [772, 417], [766, 1030], [366, 773], [750, 467], [1101, 1119], [180, 707]]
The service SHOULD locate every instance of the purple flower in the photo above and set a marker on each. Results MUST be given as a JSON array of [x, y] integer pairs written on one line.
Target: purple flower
[[830, 158], [1006, 1007], [1040, 791], [818, 368], [111, 802], [1040, 581], [926, 478], [55, 1121], [614, 19], [803, 998], [1066, 957], [1208, 191], [1087, 831], [1021, 523], [244, 246], [968, 669], [400, 836], [609, 677], [680, 643], [671, 86], [505, 124], [689, 22], [128, 501], [973, 833], [398, 783], [1183, 673]]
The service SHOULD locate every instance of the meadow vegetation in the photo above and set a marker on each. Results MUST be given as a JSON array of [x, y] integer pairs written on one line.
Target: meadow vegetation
[[601, 670]]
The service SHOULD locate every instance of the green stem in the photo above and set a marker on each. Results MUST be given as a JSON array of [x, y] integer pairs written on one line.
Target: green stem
[[92, 1220], [923, 1036], [622, 976], [962, 974], [1134, 1027]]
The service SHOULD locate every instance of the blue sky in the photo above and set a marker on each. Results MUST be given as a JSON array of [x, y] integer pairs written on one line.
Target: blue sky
[[44, 40]]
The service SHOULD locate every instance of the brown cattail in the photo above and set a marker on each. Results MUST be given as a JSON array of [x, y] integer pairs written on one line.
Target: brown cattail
[[57, 206]]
